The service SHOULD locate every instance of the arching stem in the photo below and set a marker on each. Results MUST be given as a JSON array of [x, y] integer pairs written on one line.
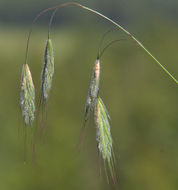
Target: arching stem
[[107, 46], [50, 22], [37, 17], [102, 39], [109, 20], [131, 36]]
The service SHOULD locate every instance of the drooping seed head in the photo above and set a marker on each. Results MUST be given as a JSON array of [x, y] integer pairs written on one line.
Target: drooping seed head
[[47, 70], [93, 90], [27, 95], [103, 135], [103, 130]]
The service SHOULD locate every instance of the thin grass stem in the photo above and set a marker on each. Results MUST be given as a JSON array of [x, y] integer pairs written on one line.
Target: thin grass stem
[[131, 36], [50, 22], [108, 45], [109, 20], [102, 39]]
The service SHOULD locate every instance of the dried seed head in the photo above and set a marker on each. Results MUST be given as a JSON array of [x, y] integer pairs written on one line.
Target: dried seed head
[[47, 70], [27, 95], [93, 90]]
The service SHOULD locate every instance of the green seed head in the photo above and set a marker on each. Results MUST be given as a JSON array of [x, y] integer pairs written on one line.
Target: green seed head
[[104, 138], [103, 130], [47, 70], [27, 95]]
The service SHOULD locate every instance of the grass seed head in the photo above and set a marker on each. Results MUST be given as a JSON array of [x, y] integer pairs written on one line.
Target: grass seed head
[[104, 138], [47, 70], [103, 130], [27, 95], [93, 90]]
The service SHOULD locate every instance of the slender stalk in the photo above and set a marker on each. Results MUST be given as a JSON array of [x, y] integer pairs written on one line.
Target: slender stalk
[[109, 20], [100, 54], [131, 36], [50, 22], [102, 39], [37, 17]]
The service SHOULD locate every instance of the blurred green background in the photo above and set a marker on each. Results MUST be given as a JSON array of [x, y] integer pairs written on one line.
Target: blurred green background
[[140, 97]]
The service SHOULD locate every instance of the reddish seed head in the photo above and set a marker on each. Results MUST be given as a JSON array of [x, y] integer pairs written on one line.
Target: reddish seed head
[[97, 69], [29, 74], [26, 74]]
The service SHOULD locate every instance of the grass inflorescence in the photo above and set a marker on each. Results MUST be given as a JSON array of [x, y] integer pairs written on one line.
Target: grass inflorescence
[[94, 103], [104, 138], [47, 70], [93, 90], [27, 95]]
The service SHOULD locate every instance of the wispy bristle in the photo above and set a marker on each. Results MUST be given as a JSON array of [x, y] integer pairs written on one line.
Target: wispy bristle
[[93, 90], [47, 70], [27, 95], [104, 138]]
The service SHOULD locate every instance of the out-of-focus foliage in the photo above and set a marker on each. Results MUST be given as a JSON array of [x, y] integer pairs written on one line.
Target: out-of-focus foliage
[[133, 12], [141, 99]]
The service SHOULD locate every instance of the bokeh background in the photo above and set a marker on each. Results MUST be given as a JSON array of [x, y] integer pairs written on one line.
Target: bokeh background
[[141, 98]]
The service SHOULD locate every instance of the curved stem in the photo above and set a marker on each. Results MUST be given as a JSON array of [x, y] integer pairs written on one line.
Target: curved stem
[[102, 39], [109, 20], [50, 22], [131, 36], [36, 18], [108, 45]]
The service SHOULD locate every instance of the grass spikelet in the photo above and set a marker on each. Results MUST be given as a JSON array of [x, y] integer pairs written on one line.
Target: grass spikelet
[[104, 138], [92, 94], [27, 95], [93, 90], [47, 71]]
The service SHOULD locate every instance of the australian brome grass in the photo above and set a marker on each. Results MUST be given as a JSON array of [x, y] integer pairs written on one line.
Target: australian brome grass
[[27, 95], [93, 90], [104, 137], [47, 71], [93, 104]]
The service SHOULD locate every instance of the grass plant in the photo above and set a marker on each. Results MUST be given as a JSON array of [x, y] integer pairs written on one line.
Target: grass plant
[[94, 103]]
